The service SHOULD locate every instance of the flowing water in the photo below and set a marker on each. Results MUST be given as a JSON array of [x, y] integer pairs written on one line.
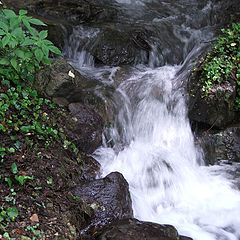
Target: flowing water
[[150, 141]]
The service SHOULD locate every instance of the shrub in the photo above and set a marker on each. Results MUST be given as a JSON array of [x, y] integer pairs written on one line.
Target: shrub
[[23, 49], [223, 62]]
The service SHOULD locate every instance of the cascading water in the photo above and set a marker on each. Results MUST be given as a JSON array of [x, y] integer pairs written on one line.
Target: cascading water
[[163, 167], [151, 142]]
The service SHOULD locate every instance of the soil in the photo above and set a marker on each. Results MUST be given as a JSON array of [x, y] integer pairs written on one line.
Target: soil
[[47, 209]]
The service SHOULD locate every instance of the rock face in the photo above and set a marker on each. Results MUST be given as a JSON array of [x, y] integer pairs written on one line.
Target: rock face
[[114, 47], [68, 11], [108, 197], [132, 229], [62, 80], [69, 88], [221, 145], [215, 110], [90, 168], [86, 128]]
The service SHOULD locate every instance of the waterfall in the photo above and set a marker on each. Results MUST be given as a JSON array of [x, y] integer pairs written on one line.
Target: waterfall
[[168, 181], [150, 141]]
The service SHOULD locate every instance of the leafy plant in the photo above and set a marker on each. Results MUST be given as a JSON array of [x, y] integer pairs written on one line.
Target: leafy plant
[[8, 214], [23, 50], [222, 64], [21, 179]]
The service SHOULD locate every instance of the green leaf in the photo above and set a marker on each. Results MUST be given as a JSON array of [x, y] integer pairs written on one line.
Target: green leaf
[[26, 23], [12, 213], [9, 181], [14, 168], [43, 34], [9, 13], [5, 40], [23, 179], [14, 22], [45, 50], [11, 150], [4, 61], [20, 53], [33, 31], [55, 50], [22, 12], [2, 32], [27, 42], [26, 129], [18, 32], [46, 61], [3, 26], [47, 42], [13, 62], [37, 22], [39, 54]]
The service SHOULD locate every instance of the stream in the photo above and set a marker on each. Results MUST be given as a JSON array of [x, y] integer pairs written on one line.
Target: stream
[[150, 140]]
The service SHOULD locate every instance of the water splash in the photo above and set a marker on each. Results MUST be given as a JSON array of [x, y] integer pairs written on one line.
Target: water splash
[[164, 169]]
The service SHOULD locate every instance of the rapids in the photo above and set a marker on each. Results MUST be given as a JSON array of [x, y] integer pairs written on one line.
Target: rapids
[[150, 140]]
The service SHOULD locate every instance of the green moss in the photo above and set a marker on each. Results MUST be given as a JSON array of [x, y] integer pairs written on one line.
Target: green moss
[[222, 64]]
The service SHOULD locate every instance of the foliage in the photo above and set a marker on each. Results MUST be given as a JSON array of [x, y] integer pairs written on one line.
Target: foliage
[[22, 110], [27, 120], [222, 64], [23, 50], [9, 214]]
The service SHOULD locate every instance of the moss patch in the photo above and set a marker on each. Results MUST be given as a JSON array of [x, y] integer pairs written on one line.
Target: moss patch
[[221, 67]]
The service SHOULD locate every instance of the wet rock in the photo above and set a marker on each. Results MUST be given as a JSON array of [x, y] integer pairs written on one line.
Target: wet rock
[[65, 85], [68, 11], [216, 110], [221, 145], [120, 47], [185, 238], [85, 128], [109, 198], [60, 79], [90, 168], [132, 229]]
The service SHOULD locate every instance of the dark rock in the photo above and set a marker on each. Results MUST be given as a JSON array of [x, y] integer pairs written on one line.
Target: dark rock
[[86, 127], [62, 82], [185, 238], [68, 11], [132, 229], [221, 145], [217, 109], [109, 198], [90, 168], [60, 79], [115, 47]]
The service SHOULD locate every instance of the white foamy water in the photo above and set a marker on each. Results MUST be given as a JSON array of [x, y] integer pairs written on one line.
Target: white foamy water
[[164, 169]]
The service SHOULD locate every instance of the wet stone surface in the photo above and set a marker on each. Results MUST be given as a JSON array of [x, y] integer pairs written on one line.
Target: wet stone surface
[[108, 197], [132, 229]]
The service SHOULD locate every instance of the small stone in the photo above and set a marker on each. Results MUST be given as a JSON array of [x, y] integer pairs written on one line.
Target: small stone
[[25, 238], [71, 74], [34, 218], [49, 205]]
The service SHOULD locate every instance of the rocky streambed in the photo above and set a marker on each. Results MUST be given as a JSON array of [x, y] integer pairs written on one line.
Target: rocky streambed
[[103, 42]]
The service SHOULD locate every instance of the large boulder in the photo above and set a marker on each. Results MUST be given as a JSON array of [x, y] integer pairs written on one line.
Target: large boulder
[[109, 198], [85, 128], [62, 80], [65, 85], [120, 47], [68, 11], [221, 145], [217, 108], [132, 229]]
